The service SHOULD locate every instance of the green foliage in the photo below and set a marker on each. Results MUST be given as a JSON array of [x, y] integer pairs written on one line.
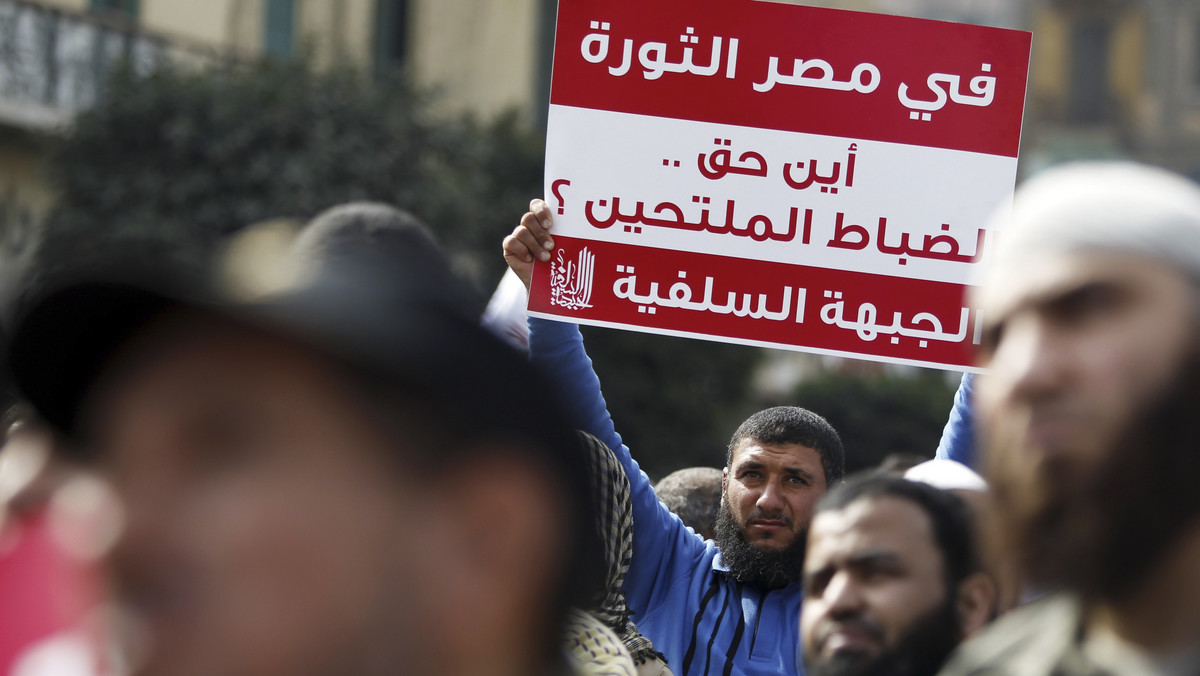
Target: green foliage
[[675, 401], [879, 415], [170, 162]]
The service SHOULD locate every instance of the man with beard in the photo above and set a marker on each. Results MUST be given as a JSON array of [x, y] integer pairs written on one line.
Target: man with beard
[[892, 582], [729, 607], [1089, 418]]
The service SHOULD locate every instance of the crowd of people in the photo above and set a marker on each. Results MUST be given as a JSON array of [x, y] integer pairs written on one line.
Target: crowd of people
[[332, 465]]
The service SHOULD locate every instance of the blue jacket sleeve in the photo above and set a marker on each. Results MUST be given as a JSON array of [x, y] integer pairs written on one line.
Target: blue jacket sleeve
[[665, 552], [958, 437]]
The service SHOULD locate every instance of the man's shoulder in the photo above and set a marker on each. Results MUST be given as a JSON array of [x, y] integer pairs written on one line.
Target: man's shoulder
[[1029, 641]]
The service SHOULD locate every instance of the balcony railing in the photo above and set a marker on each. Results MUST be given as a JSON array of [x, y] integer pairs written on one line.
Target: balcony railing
[[54, 62]]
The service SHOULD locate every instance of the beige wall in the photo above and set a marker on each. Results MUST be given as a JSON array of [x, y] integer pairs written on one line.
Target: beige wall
[[1126, 62], [1050, 60], [481, 54], [1050, 54], [205, 22], [337, 30]]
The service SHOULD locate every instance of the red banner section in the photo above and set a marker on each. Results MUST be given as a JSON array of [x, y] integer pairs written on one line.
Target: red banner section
[[745, 301], [802, 69]]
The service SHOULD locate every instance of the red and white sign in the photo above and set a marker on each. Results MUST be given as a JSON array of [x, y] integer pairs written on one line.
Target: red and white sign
[[777, 175]]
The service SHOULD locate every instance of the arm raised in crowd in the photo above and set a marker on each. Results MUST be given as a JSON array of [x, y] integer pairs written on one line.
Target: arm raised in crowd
[[663, 548], [531, 238], [958, 438]]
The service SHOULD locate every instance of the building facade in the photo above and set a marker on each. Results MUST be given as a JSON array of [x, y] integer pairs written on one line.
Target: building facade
[[482, 56], [1109, 78]]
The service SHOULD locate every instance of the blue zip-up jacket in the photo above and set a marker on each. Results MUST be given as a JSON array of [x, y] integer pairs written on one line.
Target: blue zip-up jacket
[[958, 438], [682, 596]]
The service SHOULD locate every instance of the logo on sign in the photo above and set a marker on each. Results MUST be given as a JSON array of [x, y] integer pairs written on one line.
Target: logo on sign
[[571, 281]]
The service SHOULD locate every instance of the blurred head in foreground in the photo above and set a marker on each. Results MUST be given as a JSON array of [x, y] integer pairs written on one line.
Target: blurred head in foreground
[[337, 477], [694, 495], [1089, 406], [892, 582]]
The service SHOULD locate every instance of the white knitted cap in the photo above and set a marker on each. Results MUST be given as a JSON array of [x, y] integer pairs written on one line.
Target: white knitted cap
[[947, 475], [1119, 206]]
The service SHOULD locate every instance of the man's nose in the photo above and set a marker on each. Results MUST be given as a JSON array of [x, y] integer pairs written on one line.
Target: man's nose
[[1029, 360], [842, 596], [771, 500], [148, 517]]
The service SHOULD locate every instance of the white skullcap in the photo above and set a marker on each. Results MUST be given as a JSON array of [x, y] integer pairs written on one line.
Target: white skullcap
[[1119, 206], [947, 475]]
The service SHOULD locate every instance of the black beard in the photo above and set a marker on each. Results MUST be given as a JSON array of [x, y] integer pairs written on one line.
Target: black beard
[[921, 651], [753, 566], [1101, 535]]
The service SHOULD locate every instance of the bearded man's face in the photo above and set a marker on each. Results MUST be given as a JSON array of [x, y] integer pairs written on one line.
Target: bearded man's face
[[1087, 414], [769, 494], [876, 595]]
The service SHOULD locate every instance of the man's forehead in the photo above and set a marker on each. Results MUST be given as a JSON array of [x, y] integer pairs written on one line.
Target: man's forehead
[[752, 450], [192, 356], [869, 526]]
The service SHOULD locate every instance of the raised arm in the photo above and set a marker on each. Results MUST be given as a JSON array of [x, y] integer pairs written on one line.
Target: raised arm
[[958, 438], [664, 550]]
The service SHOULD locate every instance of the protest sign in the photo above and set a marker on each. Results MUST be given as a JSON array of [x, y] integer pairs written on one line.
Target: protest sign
[[778, 175]]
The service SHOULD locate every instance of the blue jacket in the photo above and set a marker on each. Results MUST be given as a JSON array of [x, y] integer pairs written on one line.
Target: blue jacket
[[958, 438], [681, 595]]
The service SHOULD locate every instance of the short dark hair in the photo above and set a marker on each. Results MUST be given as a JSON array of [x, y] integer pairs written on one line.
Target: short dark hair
[[343, 230], [693, 494], [953, 528], [794, 425], [374, 233]]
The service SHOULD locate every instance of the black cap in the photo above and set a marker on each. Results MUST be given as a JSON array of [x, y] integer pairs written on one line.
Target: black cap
[[62, 339], [401, 332]]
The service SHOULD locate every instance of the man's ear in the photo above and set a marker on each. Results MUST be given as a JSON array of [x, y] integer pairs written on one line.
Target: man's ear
[[724, 479], [977, 597]]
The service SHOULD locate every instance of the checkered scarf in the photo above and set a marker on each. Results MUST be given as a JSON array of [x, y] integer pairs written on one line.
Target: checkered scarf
[[593, 649], [614, 522]]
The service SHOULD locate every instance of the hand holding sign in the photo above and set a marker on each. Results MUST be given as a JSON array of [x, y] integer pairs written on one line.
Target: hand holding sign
[[529, 239]]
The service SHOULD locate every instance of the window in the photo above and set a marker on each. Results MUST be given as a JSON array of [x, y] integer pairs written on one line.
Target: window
[[280, 28], [547, 21], [391, 35], [1090, 56], [127, 7]]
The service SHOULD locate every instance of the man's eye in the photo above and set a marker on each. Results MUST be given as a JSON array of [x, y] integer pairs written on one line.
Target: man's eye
[[877, 573], [1087, 303], [815, 585], [990, 340]]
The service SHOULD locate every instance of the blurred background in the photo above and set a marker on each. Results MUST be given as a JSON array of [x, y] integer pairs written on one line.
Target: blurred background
[[161, 127]]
